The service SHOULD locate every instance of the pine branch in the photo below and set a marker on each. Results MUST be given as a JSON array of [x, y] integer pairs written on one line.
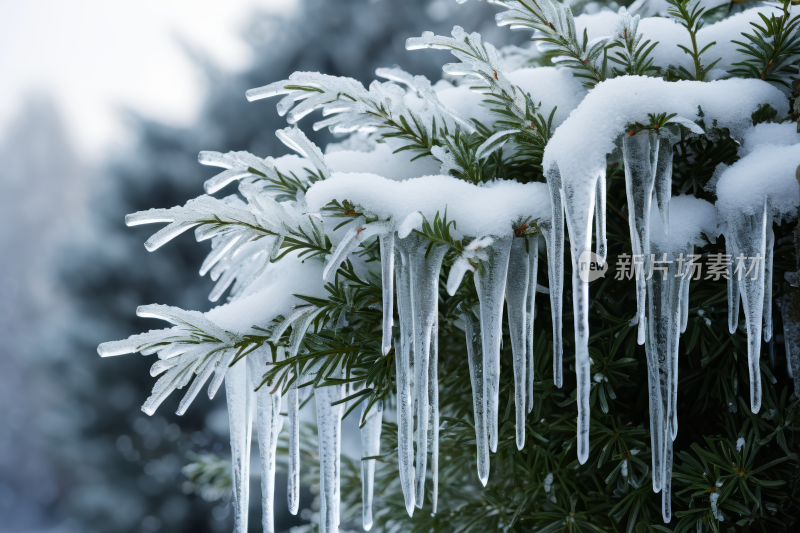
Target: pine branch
[[772, 50]]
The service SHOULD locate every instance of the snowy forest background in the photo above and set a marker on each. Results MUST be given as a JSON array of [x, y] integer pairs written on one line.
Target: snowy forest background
[[76, 454]]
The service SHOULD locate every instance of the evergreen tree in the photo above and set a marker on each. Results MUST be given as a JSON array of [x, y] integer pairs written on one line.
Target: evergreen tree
[[118, 470], [576, 432]]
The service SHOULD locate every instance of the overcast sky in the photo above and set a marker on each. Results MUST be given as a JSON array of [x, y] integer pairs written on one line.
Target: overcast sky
[[94, 56]]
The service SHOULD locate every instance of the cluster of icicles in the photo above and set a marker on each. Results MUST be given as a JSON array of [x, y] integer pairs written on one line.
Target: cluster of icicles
[[508, 274]]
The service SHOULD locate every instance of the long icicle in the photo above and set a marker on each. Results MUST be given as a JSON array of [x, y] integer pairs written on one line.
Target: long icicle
[[530, 314], [553, 231], [387, 280], [370, 447], [329, 424], [679, 296], [426, 263], [768, 282], [516, 303], [403, 346], [433, 416], [640, 154], [268, 409], [579, 208], [733, 287], [666, 490], [299, 328], [685, 283], [472, 331], [749, 235], [664, 314], [656, 415], [491, 287], [241, 401], [293, 482], [601, 244], [663, 291]]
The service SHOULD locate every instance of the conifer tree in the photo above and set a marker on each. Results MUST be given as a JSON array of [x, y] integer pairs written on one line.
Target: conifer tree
[[413, 274]]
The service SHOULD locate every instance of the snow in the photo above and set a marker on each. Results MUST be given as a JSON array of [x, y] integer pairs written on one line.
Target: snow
[[383, 162], [770, 134], [598, 24], [766, 173], [689, 219], [552, 87], [669, 34], [478, 210], [270, 295], [612, 105]]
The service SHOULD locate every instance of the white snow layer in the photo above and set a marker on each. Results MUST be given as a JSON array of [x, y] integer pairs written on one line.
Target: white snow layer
[[669, 34], [383, 162], [490, 209], [549, 86], [272, 294], [689, 219], [768, 172], [552, 87], [768, 134], [579, 146]]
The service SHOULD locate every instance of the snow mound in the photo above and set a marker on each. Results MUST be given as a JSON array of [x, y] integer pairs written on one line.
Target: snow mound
[[490, 209]]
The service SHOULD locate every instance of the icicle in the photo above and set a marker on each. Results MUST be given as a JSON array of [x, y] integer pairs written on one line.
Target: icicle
[[241, 400], [733, 287], [424, 292], [516, 303], [553, 231], [666, 491], [472, 332], [530, 314], [329, 426], [768, 282], [663, 180], [686, 281], [370, 447], [678, 301], [268, 409], [600, 218], [387, 280], [433, 416], [640, 155], [402, 347], [657, 432], [665, 290], [300, 321], [660, 319], [790, 315], [749, 236], [579, 208], [293, 482], [490, 283]]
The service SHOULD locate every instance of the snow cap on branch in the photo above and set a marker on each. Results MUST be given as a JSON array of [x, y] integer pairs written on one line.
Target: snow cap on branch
[[767, 173], [581, 144], [490, 209]]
